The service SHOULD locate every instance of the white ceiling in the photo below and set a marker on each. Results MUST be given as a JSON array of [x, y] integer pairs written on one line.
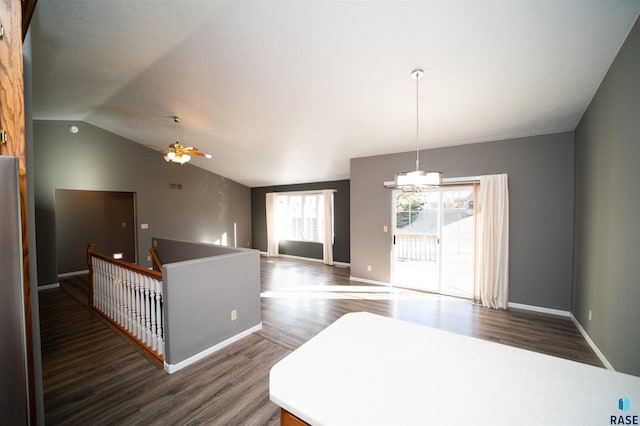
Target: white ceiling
[[288, 91]]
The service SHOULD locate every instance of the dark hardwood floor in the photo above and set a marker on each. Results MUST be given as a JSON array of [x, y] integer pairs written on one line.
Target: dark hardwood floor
[[93, 375]]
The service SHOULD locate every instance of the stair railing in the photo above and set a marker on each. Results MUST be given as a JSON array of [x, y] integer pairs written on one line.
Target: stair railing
[[129, 297]]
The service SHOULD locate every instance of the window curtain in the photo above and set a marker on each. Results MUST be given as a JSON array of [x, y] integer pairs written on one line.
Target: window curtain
[[272, 237], [492, 269], [327, 240]]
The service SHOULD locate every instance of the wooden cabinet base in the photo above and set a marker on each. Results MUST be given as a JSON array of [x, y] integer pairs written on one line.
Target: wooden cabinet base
[[288, 419]]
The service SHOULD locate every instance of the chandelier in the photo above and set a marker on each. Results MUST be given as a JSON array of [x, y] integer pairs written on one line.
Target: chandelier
[[416, 180]]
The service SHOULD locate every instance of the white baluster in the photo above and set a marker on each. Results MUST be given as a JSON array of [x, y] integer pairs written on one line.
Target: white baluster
[[117, 284], [123, 300], [147, 310], [122, 306], [143, 309], [160, 321], [100, 301], [143, 316], [100, 304], [129, 323], [139, 304], [113, 305], [96, 281], [152, 304], [97, 276], [107, 285], [134, 304], [108, 290]]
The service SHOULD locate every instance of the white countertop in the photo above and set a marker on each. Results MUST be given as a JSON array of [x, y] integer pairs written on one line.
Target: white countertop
[[366, 369]]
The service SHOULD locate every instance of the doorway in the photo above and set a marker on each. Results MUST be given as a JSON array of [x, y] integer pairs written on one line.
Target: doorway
[[434, 240], [105, 218]]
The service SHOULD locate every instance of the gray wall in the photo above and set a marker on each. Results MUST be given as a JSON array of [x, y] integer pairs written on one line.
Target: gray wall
[[540, 170], [341, 200], [172, 251], [93, 159], [14, 387], [199, 297], [607, 263], [33, 258]]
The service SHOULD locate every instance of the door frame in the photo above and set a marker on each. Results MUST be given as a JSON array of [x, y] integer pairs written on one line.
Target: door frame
[[446, 182]]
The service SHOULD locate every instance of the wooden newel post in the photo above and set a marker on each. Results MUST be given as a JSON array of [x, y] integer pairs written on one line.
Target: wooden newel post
[[90, 250]]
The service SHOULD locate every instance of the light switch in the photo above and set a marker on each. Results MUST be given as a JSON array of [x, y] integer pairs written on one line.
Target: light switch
[[144, 226], [386, 228]]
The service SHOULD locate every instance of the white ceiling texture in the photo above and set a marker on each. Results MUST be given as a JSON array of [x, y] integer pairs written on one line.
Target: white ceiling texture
[[288, 91]]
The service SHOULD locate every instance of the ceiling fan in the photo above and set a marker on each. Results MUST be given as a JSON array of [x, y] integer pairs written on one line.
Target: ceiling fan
[[179, 153]]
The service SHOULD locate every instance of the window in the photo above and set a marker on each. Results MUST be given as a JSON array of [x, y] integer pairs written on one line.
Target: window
[[300, 217]]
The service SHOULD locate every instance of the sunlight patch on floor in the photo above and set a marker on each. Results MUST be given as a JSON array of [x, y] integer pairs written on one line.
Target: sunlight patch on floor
[[346, 292]]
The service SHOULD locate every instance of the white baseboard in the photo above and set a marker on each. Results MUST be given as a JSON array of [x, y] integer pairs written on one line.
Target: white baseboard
[[366, 281], [172, 368], [591, 343], [309, 259], [540, 309], [71, 274], [567, 314], [48, 286]]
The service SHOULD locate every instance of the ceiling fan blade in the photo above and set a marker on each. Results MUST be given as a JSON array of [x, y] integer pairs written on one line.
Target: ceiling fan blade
[[197, 153]]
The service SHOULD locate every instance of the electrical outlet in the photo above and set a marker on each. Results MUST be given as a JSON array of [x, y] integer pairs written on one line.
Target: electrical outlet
[[234, 315], [589, 314], [148, 258], [369, 268]]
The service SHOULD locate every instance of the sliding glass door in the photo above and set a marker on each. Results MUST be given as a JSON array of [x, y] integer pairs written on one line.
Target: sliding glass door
[[433, 244]]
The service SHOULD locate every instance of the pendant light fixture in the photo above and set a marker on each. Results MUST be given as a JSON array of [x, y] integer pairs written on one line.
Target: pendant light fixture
[[417, 180]]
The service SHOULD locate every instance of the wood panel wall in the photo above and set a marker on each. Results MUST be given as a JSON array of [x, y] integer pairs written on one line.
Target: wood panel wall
[[13, 144]]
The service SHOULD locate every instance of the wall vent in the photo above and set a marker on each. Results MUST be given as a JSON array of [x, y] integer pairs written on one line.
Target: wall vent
[[175, 186]]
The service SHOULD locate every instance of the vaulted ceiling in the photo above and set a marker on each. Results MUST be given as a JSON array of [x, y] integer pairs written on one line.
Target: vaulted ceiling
[[288, 91]]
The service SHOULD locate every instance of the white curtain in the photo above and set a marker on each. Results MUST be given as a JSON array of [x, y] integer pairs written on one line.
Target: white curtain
[[492, 274], [327, 244], [272, 237]]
